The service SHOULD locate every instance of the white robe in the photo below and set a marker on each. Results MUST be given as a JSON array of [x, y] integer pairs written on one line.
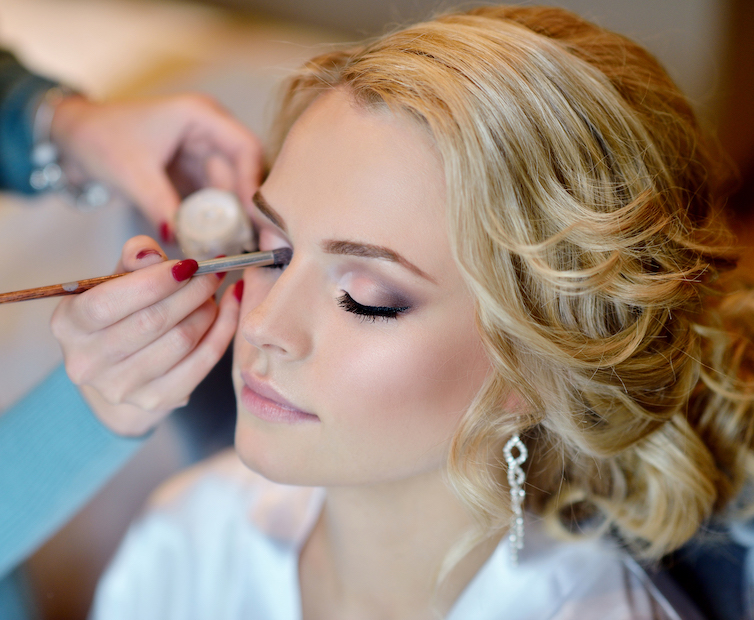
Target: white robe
[[220, 542]]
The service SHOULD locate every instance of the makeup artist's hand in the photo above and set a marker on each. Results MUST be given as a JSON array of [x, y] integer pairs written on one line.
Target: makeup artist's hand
[[138, 345], [156, 150]]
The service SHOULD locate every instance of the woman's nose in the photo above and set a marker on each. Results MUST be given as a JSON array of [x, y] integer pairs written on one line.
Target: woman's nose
[[279, 324]]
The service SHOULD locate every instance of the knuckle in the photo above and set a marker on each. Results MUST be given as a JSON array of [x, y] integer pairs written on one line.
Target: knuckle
[[96, 310], [79, 370], [154, 402], [58, 324], [114, 396], [200, 103], [150, 320], [181, 339], [147, 403], [118, 390], [115, 347]]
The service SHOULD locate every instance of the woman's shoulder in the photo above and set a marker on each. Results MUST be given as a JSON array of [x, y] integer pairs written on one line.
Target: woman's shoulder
[[215, 537]]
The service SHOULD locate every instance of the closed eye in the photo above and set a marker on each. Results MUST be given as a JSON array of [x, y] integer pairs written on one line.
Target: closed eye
[[369, 313]]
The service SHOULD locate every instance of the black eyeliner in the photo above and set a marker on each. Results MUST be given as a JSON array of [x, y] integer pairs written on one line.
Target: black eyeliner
[[349, 304]]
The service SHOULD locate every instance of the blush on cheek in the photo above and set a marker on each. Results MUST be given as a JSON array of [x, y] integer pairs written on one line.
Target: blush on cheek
[[414, 390]]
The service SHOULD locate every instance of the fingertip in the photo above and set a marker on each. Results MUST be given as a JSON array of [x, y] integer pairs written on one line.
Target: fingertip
[[184, 269], [166, 232], [141, 251], [238, 291], [221, 274], [148, 252]]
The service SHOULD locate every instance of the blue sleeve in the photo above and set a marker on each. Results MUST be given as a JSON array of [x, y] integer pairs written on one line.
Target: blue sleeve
[[19, 92], [54, 455]]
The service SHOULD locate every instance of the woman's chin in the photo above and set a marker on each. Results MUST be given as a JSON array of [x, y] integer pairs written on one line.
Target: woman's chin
[[272, 456]]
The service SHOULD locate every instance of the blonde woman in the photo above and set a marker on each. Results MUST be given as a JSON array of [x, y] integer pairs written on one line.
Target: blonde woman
[[501, 363]]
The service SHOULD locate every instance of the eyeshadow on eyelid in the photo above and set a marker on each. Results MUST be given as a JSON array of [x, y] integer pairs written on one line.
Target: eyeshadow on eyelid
[[369, 292], [397, 300], [383, 296]]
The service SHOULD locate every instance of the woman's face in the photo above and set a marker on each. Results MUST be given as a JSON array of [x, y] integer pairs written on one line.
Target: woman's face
[[354, 364]]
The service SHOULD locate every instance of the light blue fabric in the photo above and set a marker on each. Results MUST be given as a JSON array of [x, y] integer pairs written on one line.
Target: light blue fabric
[[54, 455]]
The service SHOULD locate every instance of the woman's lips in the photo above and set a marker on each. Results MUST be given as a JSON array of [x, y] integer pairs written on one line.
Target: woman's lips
[[263, 401]]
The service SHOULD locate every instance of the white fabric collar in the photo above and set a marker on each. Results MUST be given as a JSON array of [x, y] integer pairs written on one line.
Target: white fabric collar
[[550, 576]]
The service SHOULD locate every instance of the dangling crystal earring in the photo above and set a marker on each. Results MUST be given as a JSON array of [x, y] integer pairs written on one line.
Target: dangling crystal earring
[[516, 480]]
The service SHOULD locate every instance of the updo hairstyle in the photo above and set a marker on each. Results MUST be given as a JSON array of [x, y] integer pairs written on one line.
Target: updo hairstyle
[[585, 214]]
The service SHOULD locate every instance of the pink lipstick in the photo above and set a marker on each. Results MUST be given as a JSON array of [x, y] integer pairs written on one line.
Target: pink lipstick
[[263, 401]]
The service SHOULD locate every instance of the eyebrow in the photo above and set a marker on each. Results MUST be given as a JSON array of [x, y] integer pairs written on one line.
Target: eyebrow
[[346, 248], [270, 213], [367, 250]]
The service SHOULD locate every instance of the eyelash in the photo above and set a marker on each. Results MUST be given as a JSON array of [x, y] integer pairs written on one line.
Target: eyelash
[[369, 313]]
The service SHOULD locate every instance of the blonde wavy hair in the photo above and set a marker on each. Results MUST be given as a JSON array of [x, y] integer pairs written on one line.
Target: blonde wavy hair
[[584, 205]]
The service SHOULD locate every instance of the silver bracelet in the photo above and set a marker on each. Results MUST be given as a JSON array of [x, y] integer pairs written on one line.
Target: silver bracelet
[[47, 174]]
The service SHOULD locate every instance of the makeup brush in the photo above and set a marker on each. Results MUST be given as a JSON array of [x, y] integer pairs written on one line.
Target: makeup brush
[[279, 257]]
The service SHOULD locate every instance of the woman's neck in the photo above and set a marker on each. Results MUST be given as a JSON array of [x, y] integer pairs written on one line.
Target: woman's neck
[[377, 551]]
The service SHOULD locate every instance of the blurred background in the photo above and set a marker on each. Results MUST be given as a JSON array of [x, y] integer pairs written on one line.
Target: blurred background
[[237, 51]]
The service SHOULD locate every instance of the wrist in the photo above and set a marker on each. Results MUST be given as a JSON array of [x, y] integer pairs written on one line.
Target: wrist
[[47, 173], [57, 163], [66, 113]]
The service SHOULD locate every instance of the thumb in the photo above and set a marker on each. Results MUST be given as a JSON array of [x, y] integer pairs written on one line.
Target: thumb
[[139, 252]]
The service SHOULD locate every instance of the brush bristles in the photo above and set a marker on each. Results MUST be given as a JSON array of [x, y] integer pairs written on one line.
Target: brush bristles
[[282, 256]]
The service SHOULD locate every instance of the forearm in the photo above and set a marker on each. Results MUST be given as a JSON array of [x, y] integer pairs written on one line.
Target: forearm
[[54, 455]]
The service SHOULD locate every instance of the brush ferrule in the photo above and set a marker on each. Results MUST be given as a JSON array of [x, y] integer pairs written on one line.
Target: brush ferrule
[[255, 259]]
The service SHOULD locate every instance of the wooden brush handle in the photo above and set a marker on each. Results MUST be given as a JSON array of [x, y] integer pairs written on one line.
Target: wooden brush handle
[[56, 290], [281, 256]]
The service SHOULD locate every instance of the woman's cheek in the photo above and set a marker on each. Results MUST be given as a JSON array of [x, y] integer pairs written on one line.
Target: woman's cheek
[[378, 374], [387, 408], [419, 377]]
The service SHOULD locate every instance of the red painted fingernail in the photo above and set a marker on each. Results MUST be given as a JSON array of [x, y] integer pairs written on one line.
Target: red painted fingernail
[[221, 274], [166, 234], [145, 253], [184, 269], [238, 290]]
